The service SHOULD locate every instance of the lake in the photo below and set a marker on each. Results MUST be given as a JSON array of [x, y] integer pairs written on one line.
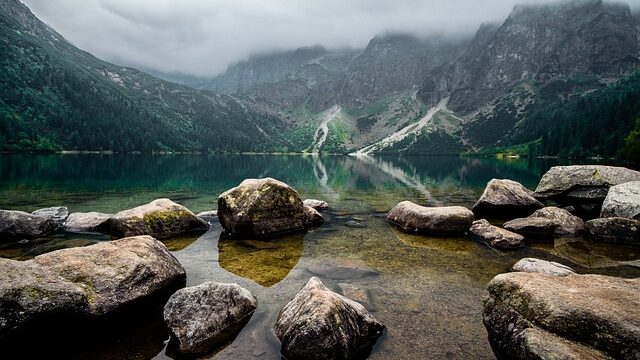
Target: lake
[[427, 291]]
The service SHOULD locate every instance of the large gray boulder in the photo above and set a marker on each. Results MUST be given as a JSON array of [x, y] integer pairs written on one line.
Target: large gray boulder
[[19, 225], [58, 214], [538, 316], [506, 199], [413, 218], [497, 237], [622, 201], [547, 222], [582, 183], [202, 317], [614, 230], [161, 218], [261, 208], [319, 324], [90, 222], [531, 265], [85, 282]]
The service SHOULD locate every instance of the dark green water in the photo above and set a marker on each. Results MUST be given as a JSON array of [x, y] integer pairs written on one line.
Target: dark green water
[[428, 291]]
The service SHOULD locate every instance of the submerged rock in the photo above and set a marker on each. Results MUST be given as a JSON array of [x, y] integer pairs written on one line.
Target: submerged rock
[[312, 217], [622, 201], [83, 283], [319, 324], [161, 218], [58, 214], [506, 198], [431, 220], [537, 316], [342, 269], [531, 265], [316, 204], [355, 293], [547, 222], [18, 225], [582, 183], [202, 317], [259, 208], [355, 224], [497, 237], [614, 230], [208, 216], [87, 222]]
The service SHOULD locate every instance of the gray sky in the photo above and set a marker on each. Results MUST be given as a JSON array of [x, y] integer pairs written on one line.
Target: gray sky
[[202, 37]]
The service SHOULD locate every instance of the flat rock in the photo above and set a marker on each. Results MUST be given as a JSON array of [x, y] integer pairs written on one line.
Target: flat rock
[[341, 269], [413, 218], [582, 183], [537, 316], [58, 214], [319, 324], [531, 265], [506, 198], [614, 230], [622, 201], [90, 222], [497, 237], [261, 208], [316, 204], [532, 227], [19, 225], [161, 218], [203, 317], [312, 217], [567, 224], [208, 216]]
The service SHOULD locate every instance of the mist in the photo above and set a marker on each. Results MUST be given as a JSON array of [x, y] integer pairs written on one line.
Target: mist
[[203, 37]]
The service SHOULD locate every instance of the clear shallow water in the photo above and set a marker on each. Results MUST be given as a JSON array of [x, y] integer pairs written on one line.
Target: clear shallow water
[[428, 291]]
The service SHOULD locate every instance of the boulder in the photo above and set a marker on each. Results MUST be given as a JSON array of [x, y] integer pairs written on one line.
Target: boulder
[[614, 230], [316, 204], [58, 214], [537, 316], [531, 265], [413, 218], [90, 222], [319, 324], [208, 216], [83, 283], [261, 208], [582, 183], [532, 227], [567, 224], [19, 225], [161, 218], [202, 317], [506, 198], [622, 201], [312, 217], [497, 237]]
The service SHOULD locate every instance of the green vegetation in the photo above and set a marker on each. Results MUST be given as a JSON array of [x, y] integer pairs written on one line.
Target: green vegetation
[[631, 149]]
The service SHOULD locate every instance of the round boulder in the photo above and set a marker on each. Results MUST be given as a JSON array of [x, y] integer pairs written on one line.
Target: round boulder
[[622, 201], [506, 199], [497, 237], [316, 204], [413, 218], [614, 230]]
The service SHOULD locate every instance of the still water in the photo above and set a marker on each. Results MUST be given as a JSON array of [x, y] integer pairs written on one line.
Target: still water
[[427, 291]]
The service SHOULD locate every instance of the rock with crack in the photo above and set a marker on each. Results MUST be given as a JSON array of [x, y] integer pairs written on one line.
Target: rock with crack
[[312, 217], [316, 204], [531, 265], [537, 316], [319, 324], [506, 199], [161, 218], [261, 208], [413, 218], [203, 317], [622, 201], [614, 230], [90, 222], [16, 225], [496, 237]]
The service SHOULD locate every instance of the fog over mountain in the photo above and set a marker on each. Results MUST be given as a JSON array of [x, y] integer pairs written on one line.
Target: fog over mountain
[[203, 37]]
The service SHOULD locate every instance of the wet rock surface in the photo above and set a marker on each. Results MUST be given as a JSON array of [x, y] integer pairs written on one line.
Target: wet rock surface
[[358, 294], [15, 225], [496, 237], [320, 324], [531, 265], [58, 214], [431, 220], [203, 317], [614, 230], [261, 208], [506, 199], [622, 201], [87, 222]]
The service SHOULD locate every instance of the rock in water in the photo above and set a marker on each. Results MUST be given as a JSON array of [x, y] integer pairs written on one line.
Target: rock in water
[[316, 204], [58, 214], [312, 217], [567, 224], [531, 265], [614, 230], [497, 237], [537, 316], [582, 183], [622, 201], [261, 208], [18, 225], [161, 218], [203, 317], [85, 282], [319, 324], [506, 199], [208, 216], [413, 218], [87, 222], [532, 227]]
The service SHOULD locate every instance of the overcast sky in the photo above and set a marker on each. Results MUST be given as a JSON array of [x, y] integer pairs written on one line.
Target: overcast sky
[[202, 37]]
